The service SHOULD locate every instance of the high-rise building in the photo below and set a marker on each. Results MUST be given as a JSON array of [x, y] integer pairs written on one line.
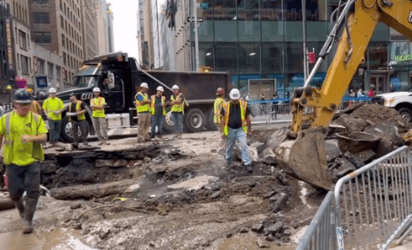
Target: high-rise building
[[110, 27], [89, 10], [102, 23], [57, 26], [7, 66], [20, 30]]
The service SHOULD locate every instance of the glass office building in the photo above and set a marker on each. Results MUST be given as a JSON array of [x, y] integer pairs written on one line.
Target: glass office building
[[263, 39]]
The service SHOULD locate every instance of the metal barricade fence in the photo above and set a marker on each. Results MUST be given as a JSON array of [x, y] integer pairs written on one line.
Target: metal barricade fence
[[373, 204], [321, 231]]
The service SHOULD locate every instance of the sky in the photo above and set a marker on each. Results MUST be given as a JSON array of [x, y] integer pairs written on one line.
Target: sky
[[125, 26]]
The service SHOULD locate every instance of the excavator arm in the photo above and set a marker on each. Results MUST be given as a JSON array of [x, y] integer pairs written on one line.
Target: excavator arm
[[305, 156]]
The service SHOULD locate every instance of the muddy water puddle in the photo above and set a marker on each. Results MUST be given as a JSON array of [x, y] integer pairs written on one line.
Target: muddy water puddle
[[55, 240]]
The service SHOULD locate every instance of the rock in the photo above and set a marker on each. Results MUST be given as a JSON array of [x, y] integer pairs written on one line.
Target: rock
[[228, 235], [287, 232], [332, 149], [119, 163], [138, 164], [345, 169], [278, 236], [275, 228], [353, 159], [268, 156], [384, 148], [270, 238], [133, 188], [243, 230], [365, 156], [76, 206], [282, 178], [151, 244], [281, 203], [104, 233], [104, 163], [213, 151], [259, 147], [257, 228], [385, 130], [146, 159], [77, 226], [269, 194], [261, 243], [215, 195], [351, 124], [276, 138]]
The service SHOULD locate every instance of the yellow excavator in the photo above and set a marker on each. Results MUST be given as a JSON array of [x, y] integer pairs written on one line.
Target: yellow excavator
[[302, 153]]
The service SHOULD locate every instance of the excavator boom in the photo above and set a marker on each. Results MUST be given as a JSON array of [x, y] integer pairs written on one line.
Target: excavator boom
[[305, 157]]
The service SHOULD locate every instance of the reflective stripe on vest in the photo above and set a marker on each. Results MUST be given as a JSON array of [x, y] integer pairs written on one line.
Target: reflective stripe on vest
[[216, 108], [142, 108], [81, 117], [243, 107], [153, 110], [178, 107], [8, 143]]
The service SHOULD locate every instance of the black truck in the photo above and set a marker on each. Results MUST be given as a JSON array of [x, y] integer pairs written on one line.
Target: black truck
[[123, 78]]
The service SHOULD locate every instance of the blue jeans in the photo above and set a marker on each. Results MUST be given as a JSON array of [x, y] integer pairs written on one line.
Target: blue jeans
[[240, 135], [178, 121], [157, 120], [55, 128]]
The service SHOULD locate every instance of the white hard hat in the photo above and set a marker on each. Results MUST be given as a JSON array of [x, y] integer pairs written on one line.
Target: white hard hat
[[96, 90], [144, 85], [160, 88], [175, 87], [52, 90], [234, 94]]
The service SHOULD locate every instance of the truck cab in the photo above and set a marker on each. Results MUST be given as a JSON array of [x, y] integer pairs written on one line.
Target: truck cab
[[401, 101]]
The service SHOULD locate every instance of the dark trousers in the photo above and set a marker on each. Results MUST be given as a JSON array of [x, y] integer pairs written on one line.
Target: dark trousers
[[178, 121], [82, 125], [27, 179], [157, 121], [55, 128]]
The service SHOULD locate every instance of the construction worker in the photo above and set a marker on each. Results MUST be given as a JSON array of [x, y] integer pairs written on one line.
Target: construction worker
[[52, 107], [178, 110], [78, 120], [143, 110], [35, 106], [97, 105], [216, 118], [158, 112], [236, 124], [23, 133]]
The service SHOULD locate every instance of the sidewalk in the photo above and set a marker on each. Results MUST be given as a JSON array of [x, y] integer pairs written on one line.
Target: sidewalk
[[281, 118]]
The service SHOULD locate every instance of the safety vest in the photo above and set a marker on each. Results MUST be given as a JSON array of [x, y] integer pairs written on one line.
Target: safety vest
[[153, 97], [37, 153], [49, 108], [178, 107], [81, 117], [216, 108], [100, 112], [142, 108], [243, 107]]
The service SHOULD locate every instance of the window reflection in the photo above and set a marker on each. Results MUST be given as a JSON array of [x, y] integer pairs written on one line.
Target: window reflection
[[248, 10], [226, 57], [224, 10], [206, 55], [249, 58], [205, 9], [272, 57], [271, 10], [292, 52], [292, 10], [378, 54]]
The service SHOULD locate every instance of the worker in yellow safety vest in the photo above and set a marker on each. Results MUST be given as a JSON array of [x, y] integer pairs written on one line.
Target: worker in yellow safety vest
[[52, 107], [178, 110], [220, 93], [35, 106], [23, 133], [97, 104], [143, 111], [236, 124], [76, 111], [158, 111]]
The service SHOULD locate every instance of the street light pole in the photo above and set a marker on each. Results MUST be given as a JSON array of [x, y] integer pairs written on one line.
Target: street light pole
[[305, 59], [196, 36]]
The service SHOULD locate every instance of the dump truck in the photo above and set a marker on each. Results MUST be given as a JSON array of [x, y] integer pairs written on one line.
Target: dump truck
[[124, 78]]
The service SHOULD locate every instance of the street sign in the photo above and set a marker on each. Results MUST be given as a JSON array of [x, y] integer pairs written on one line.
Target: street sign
[[192, 19], [41, 81], [203, 5]]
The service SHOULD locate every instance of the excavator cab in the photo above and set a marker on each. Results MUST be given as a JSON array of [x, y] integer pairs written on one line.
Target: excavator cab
[[302, 153]]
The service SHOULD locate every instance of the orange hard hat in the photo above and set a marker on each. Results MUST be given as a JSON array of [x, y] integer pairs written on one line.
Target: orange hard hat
[[220, 91]]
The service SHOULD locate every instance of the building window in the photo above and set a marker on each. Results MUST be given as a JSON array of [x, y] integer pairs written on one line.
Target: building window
[[41, 67], [50, 70], [24, 65], [272, 58], [41, 1], [248, 10], [271, 10], [224, 10], [294, 58], [226, 57], [62, 22], [58, 73], [18, 61], [42, 37], [63, 42], [378, 55], [249, 58], [64, 59], [293, 10], [41, 17], [61, 6], [23, 40]]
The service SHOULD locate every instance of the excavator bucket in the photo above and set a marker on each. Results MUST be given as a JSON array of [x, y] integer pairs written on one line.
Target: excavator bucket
[[305, 158]]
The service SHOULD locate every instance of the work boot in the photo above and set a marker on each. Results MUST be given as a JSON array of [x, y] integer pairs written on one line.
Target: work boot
[[31, 204], [28, 227], [20, 207]]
